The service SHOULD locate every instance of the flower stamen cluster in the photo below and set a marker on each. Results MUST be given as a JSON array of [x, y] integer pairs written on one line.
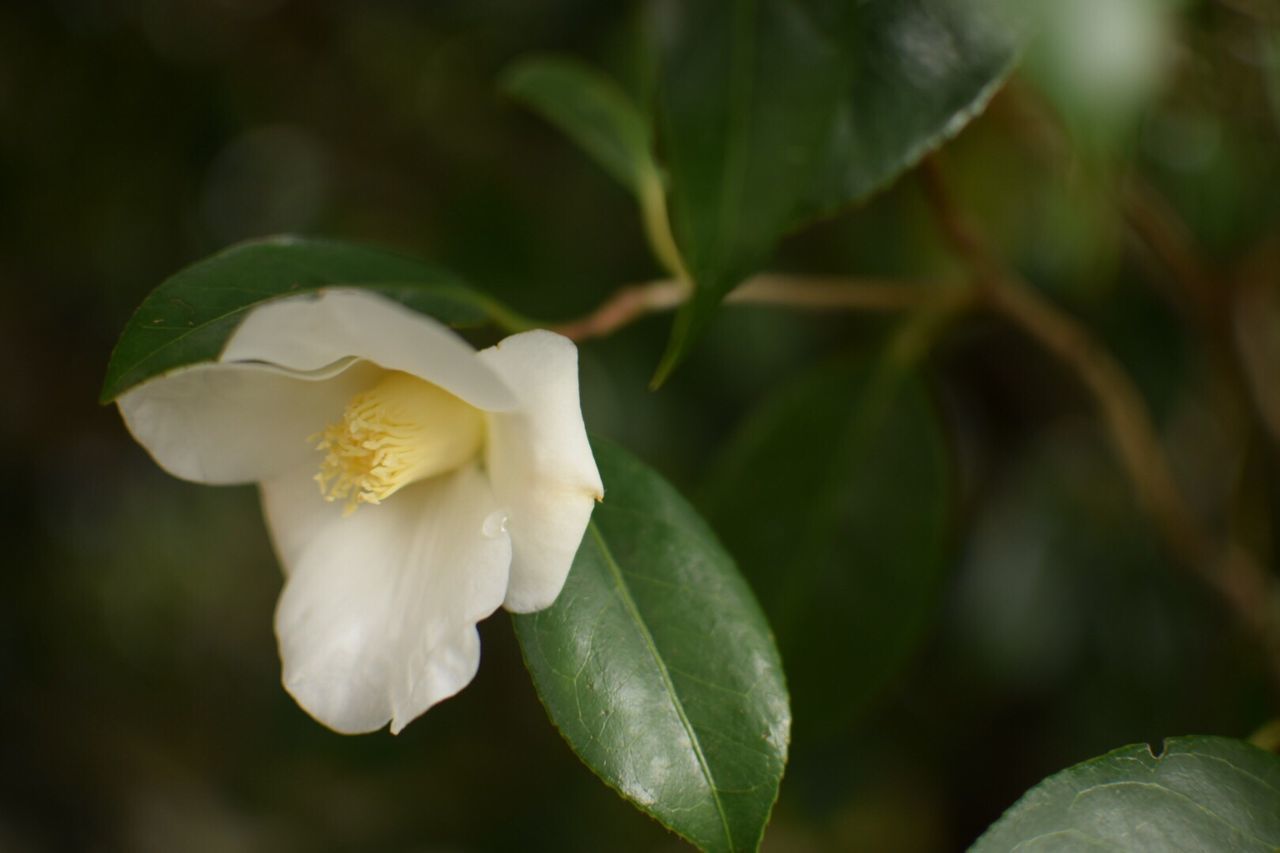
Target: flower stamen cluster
[[398, 432]]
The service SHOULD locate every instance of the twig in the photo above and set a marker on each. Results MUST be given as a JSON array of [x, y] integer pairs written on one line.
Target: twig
[[1231, 571], [1256, 306], [624, 307], [1185, 277], [1158, 226], [1118, 400], [815, 293]]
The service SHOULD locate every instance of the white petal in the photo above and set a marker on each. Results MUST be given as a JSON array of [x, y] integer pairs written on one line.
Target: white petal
[[310, 331], [236, 423], [540, 464], [377, 619]]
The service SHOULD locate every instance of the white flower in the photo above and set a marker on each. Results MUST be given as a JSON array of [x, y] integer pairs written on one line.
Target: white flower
[[411, 485]]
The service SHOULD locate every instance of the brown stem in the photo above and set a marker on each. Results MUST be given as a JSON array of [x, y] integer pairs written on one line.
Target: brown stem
[[624, 307], [1244, 585], [1154, 221], [815, 293], [1120, 405]]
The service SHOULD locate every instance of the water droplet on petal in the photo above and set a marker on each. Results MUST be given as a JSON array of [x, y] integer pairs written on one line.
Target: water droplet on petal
[[494, 525]]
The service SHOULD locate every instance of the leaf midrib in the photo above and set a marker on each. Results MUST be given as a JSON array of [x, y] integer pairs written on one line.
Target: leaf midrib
[[624, 593]]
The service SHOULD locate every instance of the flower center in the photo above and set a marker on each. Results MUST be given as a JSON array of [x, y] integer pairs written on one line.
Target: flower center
[[398, 432]]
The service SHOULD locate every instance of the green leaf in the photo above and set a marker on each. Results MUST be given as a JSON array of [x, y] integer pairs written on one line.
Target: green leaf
[[746, 95], [772, 112], [593, 111], [835, 495], [590, 109], [190, 316], [1202, 793], [918, 72], [658, 667]]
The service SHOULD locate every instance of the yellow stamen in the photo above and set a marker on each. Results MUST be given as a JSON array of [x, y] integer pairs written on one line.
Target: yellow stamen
[[398, 432]]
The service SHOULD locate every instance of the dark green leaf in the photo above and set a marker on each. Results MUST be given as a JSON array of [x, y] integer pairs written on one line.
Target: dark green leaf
[[774, 111], [658, 667], [918, 71], [1202, 793], [190, 316], [835, 497], [591, 110], [747, 92]]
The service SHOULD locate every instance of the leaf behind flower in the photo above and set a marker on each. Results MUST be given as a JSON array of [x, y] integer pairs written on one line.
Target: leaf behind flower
[[191, 315]]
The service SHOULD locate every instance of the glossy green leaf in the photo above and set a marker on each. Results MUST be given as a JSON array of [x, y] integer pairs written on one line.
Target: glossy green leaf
[[1201, 793], [746, 96], [590, 109], [772, 112], [658, 667], [918, 72], [835, 496], [190, 316]]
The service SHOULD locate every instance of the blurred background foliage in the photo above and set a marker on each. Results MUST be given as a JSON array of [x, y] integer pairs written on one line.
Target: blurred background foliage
[[1035, 621]]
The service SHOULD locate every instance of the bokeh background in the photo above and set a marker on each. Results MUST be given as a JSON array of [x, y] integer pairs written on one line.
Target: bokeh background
[[140, 706]]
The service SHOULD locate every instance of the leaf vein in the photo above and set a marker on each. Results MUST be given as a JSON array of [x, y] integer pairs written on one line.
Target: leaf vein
[[1171, 792], [629, 603]]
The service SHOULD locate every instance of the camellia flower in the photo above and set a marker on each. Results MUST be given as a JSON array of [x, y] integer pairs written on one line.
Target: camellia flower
[[411, 485]]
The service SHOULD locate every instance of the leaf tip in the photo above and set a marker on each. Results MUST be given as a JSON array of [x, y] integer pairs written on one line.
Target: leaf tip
[[518, 77], [682, 334], [667, 365]]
